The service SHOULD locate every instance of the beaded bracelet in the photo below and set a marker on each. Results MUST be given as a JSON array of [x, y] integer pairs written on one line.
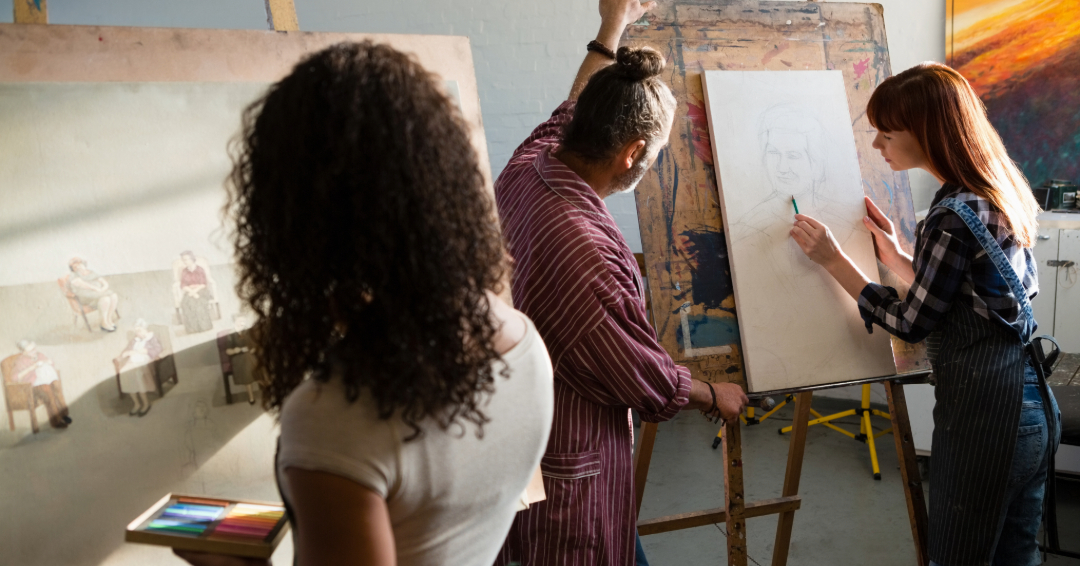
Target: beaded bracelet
[[708, 414], [597, 47]]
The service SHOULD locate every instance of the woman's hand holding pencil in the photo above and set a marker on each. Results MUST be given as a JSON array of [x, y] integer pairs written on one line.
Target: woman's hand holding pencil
[[816, 240]]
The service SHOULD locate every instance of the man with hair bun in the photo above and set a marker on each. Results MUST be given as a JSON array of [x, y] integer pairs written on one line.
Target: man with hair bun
[[577, 279]]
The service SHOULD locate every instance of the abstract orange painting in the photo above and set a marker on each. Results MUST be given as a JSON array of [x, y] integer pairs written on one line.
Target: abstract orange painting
[[1023, 58]]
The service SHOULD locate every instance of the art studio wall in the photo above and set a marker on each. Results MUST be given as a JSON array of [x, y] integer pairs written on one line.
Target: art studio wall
[[526, 53]]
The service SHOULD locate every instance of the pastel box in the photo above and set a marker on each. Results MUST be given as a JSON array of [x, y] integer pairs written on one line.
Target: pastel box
[[219, 526]]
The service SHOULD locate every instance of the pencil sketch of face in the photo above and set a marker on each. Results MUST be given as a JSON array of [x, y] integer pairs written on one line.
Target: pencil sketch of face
[[794, 146]]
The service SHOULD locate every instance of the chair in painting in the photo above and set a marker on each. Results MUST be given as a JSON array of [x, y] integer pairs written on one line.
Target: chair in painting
[[223, 342], [163, 368], [77, 308], [18, 396]]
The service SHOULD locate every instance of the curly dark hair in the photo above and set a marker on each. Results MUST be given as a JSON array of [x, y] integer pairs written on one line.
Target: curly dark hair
[[365, 237]]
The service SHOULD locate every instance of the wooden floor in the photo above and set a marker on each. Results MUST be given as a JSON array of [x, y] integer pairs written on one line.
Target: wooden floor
[[1067, 371]]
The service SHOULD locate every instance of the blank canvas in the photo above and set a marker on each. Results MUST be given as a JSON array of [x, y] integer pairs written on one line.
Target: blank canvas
[[778, 135]]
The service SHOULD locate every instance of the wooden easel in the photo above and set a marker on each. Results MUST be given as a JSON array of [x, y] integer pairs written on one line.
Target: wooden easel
[[681, 227], [736, 510]]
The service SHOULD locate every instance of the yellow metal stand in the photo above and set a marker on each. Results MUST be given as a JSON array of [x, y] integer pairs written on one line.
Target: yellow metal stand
[[866, 432], [749, 419]]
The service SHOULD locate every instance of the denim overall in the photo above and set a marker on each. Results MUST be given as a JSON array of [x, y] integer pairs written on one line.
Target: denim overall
[[995, 429]]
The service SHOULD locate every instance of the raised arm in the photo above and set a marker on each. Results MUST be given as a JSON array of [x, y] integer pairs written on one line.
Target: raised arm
[[615, 15]]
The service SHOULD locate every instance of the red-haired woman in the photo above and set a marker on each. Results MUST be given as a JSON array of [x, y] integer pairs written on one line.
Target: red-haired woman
[[971, 276]]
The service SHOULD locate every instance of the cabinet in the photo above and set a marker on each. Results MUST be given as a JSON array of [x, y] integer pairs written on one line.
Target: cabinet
[[1057, 306]]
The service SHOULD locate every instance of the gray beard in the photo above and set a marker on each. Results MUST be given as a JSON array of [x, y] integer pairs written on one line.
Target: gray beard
[[629, 180]]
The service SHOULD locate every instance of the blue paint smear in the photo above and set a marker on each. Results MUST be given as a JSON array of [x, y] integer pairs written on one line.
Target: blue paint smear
[[37, 3], [711, 278], [908, 229], [890, 191], [707, 331]]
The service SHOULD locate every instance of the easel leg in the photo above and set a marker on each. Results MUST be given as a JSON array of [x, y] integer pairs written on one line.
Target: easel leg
[[909, 469], [734, 501], [868, 430], [641, 463], [792, 476]]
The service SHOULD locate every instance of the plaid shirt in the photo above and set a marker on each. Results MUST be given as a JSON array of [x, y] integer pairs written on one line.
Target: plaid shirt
[[950, 265]]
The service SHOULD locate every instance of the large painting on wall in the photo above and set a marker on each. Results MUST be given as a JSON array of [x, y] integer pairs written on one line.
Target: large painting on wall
[[127, 370], [1023, 58]]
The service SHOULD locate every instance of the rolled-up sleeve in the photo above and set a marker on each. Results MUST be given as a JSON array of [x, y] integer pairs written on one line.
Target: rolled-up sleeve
[[939, 266], [621, 363]]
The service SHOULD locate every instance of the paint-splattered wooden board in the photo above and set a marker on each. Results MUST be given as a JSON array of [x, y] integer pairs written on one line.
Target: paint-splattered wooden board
[[677, 202]]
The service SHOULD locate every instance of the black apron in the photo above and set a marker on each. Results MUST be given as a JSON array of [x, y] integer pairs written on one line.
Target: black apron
[[979, 369]]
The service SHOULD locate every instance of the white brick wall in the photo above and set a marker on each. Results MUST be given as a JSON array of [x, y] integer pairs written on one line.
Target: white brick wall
[[526, 52]]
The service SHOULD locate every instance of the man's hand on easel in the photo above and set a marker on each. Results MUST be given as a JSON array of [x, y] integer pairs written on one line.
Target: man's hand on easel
[[717, 400], [730, 399]]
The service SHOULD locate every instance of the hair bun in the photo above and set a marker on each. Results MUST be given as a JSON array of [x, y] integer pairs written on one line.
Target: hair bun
[[639, 63]]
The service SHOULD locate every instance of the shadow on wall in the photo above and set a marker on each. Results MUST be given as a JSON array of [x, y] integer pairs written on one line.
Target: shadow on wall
[[69, 493]]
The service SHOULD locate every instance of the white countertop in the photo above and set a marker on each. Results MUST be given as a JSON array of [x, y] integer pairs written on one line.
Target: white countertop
[[1062, 220]]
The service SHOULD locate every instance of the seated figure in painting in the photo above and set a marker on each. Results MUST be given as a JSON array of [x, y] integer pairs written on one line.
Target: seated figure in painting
[[92, 290], [134, 366], [194, 288], [36, 368]]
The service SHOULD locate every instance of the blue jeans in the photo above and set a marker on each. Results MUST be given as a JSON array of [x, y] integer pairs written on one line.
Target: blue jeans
[[639, 559], [1017, 543]]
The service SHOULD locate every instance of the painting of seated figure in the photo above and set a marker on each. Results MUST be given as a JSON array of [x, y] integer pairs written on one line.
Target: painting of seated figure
[[195, 293]]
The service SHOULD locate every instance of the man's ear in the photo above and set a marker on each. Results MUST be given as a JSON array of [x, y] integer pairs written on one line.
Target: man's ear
[[631, 152]]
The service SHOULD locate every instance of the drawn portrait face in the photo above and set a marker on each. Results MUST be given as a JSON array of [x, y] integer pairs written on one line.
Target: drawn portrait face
[[793, 147], [787, 159]]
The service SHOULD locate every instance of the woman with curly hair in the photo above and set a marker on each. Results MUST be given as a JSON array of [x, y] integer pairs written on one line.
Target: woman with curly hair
[[414, 404]]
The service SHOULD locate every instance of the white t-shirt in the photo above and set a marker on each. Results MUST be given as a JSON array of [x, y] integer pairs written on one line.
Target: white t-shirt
[[451, 496]]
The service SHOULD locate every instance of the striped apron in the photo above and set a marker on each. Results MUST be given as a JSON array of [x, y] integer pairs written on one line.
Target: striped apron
[[979, 369]]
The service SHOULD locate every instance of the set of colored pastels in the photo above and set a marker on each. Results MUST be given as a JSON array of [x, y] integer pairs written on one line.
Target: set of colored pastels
[[211, 525]]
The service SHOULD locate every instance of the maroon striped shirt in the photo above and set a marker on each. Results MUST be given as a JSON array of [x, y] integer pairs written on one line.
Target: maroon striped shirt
[[576, 278]]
